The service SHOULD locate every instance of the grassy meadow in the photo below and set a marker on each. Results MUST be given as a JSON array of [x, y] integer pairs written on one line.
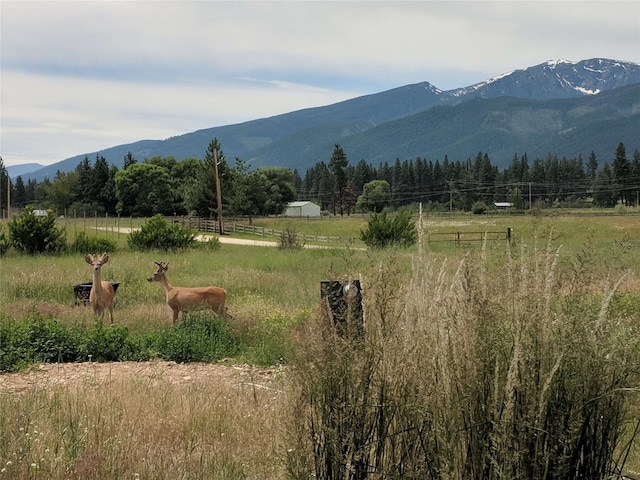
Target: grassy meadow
[[465, 337]]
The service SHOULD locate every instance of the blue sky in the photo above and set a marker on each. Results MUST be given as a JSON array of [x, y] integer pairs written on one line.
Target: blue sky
[[81, 76]]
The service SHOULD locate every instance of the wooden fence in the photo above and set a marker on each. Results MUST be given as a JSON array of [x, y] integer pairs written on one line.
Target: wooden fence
[[469, 237], [209, 225]]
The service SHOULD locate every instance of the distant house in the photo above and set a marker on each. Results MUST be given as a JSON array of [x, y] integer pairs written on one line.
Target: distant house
[[503, 205], [302, 209]]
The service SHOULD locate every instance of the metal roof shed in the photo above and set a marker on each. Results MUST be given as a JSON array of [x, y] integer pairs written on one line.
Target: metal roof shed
[[302, 209]]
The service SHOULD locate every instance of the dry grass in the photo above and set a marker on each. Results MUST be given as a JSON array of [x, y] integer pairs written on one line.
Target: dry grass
[[152, 420]]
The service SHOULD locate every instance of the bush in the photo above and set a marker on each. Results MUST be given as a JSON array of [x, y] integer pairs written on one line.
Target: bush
[[33, 234], [289, 240], [85, 244], [37, 339], [157, 233], [383, 231], [479, 208], [197, 338], [5, 244]]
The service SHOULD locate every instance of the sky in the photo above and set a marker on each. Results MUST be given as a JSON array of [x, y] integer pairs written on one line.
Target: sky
[[81, 76]]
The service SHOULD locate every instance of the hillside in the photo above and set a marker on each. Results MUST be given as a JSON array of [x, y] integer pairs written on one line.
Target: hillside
[[560, 107]]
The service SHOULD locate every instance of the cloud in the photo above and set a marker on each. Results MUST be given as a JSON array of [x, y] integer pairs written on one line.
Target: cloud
[[79, 76]]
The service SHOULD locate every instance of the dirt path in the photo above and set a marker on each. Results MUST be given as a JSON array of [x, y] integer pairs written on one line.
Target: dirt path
[[229, 240], [72, 375]]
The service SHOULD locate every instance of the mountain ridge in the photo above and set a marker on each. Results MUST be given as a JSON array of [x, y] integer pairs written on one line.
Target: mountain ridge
[[302, 138]]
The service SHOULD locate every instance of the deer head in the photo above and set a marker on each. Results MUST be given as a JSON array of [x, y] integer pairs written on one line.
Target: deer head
[[162, 270], [96, 263]]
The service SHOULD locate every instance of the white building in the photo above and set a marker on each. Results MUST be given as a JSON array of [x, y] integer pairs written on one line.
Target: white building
[[302, 209]]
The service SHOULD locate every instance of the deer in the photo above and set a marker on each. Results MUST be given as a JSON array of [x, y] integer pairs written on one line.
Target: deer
[[183, 299], [102, 295]]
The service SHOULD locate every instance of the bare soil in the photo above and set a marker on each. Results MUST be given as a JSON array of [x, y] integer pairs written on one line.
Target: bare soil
[[74, 374]]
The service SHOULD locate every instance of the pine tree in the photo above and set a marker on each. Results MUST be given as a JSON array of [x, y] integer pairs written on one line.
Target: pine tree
[[337, 166]]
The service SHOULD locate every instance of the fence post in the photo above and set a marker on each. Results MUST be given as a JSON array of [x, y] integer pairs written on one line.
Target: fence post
[[509, 234]]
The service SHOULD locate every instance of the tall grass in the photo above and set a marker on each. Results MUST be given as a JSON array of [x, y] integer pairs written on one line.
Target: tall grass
[[472, 372]]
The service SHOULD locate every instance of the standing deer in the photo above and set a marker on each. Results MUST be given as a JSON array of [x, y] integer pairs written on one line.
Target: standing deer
[[102, 292], [183, 299]]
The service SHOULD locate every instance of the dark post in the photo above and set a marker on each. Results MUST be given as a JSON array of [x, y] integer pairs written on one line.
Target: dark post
[[344, 299]]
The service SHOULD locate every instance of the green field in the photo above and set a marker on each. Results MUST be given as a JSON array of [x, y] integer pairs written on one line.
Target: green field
[[141, 429]]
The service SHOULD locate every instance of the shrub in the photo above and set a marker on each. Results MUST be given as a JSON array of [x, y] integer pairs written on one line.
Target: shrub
[[85, 244], [289, 240], [157, 233], [199, 337], [33, 234], [37, 339], [479, 208], [383, 231], [5, 244], [208, 243]]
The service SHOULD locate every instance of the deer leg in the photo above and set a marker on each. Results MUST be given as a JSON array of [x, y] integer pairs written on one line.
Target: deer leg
[[175, 315]]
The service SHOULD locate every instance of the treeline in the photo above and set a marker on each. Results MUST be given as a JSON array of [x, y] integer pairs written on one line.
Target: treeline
[[163, 185], [543, 182], [159, 185]]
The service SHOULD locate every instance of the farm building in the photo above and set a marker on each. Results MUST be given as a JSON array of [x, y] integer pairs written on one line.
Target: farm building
[[302, 209], [503, 205]]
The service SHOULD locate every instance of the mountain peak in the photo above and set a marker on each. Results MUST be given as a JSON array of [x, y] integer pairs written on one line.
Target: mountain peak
[[556, 79]]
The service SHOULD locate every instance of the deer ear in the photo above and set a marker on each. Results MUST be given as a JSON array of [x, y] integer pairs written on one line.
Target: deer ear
[[104, 258], [88, 259]]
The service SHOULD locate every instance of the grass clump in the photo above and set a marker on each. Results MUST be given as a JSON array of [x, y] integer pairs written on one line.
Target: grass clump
[[468, 372]]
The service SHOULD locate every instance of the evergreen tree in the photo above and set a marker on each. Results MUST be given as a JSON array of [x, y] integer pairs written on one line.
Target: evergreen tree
[[4, 187], [128, 161], [201, 198], [621, 169], [635, 178], [337, 167], [592, 167], [19, 196], [603, 188]]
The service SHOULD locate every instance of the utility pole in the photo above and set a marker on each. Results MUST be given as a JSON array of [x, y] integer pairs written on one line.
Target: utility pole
[[218, 194]]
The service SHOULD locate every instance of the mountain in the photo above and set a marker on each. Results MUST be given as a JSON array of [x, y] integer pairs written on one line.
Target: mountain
[[556, 79], [560, 107], [17, 170]]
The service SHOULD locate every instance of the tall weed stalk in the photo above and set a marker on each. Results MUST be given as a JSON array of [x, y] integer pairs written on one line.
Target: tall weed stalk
[[471, 372]]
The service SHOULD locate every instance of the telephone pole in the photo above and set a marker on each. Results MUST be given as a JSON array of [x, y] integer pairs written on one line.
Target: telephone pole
[[218, 194]]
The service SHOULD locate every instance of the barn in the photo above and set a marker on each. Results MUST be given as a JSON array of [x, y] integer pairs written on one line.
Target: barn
[[302, 209]]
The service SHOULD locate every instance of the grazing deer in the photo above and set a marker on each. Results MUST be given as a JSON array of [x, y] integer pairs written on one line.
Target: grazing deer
[[102, 292], [183, 299]]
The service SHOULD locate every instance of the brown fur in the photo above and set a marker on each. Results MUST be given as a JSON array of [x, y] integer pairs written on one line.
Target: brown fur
[[102, 294], [183, 299]]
